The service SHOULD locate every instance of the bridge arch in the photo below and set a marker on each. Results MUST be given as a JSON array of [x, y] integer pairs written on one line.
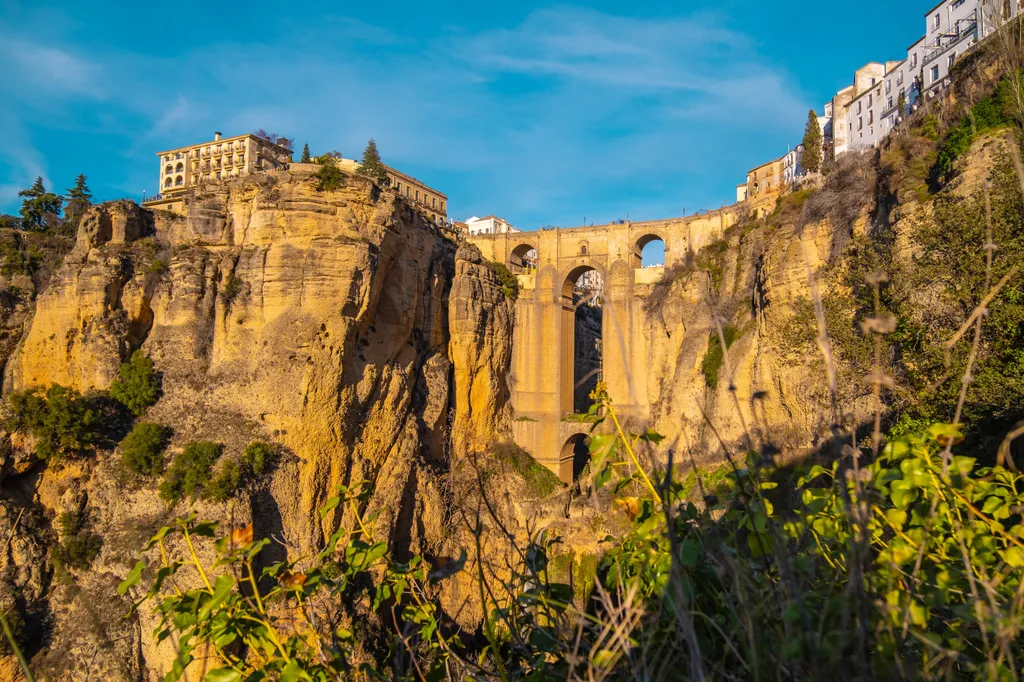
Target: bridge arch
[[523, 258], [642, 242], [581, 337], [574, 457]]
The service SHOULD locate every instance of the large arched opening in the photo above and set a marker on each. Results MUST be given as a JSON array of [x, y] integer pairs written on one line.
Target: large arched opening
[[582, 338], [523, 259], [649, 251], [574, 458]]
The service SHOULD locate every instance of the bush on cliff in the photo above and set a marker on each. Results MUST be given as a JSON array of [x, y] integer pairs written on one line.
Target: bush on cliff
[[509, 282], [62, 421], [190, 471], [79, 546], [328, 177], [142, 450], [138, 384], [232, 475]]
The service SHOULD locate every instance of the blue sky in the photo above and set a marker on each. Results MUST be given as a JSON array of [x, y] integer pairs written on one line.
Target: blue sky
[[544, 113]]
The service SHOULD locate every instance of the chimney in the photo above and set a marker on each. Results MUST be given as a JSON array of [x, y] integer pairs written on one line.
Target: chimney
[[216, 136]]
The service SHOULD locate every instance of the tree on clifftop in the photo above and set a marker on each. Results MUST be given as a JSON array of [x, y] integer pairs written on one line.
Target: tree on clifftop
[[371, 165], [40, 208], [79, 201], [812, 144], [305, 158]]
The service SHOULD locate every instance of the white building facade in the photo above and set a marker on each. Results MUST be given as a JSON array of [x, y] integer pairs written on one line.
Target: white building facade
[[865, 113], [488, 225]]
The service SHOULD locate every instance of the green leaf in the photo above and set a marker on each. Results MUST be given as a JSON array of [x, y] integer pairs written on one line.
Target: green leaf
[[221, 591], [1014, 556], [690, 552], [330, 505], [604, 658], [223, 675], [160, 535], [652, 437], [132, 579]]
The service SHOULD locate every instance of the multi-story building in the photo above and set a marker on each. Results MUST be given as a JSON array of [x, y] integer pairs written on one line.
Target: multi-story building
[[850, 107], [429, 199], [766, 179], [488, 225], [220, 159], [866, 112]]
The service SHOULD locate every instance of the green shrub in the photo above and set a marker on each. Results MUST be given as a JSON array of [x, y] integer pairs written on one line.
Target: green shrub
[[995, 111], [190, 471], [328, 177], [232, 288], [225, 482], [138, 384], [540, 481], [62, 420], [258, 457], [158, 266], [142, 450], [714, 358], [509, 282], [79, 546]]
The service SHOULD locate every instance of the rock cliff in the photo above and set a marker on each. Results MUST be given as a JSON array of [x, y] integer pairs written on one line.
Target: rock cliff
[[317, 320]]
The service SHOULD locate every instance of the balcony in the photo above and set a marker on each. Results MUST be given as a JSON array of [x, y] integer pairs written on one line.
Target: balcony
[[949, 40]]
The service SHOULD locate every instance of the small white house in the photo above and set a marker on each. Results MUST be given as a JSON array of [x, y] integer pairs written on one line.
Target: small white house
[[488, 225]]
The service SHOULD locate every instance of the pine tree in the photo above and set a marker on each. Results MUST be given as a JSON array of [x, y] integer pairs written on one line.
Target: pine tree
[[305, 154], [901, 104], [78, 202], [812, 144], [40, 207], [371, 164]]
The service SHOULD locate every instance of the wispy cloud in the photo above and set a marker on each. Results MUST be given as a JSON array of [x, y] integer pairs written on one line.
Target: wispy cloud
[[569, 112]]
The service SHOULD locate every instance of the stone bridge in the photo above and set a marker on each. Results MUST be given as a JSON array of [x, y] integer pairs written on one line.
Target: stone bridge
[[543, 351]]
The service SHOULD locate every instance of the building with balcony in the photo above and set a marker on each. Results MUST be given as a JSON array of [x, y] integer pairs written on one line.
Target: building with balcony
[[220, 159]]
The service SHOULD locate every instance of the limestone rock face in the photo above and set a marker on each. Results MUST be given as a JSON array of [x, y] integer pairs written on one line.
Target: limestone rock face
[[762, 306], [318, 320], [481, 320]]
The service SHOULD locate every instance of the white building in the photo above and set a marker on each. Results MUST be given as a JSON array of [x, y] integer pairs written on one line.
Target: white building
[[488, 225], [866, 112], [792, 164]]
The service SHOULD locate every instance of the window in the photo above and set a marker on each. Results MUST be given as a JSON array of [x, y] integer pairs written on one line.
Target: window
[[958, 4], [888, 103], [950, 59], [860, 124], [433, 202], [888, 87], [180, 167], [417, 195], [935, 73], [871, 117], [169, 169], [936, 21], [858, 107], [913, 61], [167, 182], [406, 191], [398, 187], [899, 78], [870, 100], [179, 181], [442, 207], [583, 249]]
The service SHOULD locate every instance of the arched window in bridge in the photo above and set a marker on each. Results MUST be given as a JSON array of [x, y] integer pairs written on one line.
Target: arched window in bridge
[[583, 249]]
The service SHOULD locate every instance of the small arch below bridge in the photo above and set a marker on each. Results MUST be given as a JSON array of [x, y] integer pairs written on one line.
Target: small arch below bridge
[[649, 250], [574, 458]]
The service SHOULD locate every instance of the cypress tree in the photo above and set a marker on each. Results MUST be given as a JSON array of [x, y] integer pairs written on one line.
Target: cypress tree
[[812, 144], [305, 158], [901, 104], [371, 164]]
